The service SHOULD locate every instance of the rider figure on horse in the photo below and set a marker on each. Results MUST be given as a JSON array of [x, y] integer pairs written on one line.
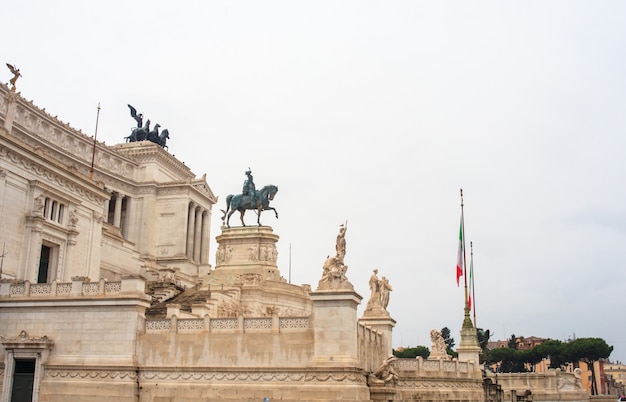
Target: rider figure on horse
[[249, 188]]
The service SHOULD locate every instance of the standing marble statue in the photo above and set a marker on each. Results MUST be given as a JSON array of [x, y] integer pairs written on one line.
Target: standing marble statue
[[385, 288], [379, 294], [374, 299], [340, 247]]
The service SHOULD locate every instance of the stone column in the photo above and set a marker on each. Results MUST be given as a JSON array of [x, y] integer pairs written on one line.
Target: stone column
[[335, 327], [117, 215], [127, 215], [191, 217], [198, 235], [204, 246], [34, 226], [107, 204]]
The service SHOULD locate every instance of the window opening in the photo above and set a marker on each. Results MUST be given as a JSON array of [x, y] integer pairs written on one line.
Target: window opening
[[44, 264]]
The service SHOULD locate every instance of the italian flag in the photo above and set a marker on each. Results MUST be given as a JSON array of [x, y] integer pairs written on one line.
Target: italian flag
[[459, 261], [471, 282]]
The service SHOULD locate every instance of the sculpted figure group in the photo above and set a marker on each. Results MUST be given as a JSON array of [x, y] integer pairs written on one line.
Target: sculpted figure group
[[334, 269], [379, 292], [438, 349], [143, 133]]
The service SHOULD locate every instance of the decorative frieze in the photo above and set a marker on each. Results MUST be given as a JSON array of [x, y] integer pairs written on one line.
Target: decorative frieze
[[251, 376], [87, 374]]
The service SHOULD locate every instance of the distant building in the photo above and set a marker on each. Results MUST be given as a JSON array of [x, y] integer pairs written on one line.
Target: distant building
[[617, 370], [523, 343]]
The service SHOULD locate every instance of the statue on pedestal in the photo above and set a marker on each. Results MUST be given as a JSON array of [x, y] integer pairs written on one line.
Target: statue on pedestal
[[250, 198], [379, 294], [334, 269]]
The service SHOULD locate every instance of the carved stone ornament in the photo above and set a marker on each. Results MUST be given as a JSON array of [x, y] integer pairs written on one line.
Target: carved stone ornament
[[385, 373], [438, 350], [23, 340]]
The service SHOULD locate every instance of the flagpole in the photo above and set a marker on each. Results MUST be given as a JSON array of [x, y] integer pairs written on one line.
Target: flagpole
[[464, 253], [472, 282], [93, 153]]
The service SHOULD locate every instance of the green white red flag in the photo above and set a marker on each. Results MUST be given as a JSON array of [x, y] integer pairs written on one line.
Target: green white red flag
[[459, 261], [471, 282]]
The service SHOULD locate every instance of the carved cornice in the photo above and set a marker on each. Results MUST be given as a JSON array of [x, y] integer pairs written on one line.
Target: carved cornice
[[147, 151], [48, 171], [23, 341]]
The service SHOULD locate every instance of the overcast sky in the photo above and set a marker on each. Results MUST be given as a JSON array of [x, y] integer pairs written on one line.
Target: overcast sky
[[377, 113]]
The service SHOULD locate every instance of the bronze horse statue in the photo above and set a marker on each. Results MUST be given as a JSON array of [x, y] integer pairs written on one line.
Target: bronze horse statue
[[242, 203]]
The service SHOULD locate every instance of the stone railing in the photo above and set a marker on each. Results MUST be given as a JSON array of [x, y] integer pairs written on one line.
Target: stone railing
[[78, 287], [239, 324], [549, 386], [436, 367], [370, 347]]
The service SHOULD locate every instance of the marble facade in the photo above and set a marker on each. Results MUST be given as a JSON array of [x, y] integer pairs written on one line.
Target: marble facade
[[106, 290]]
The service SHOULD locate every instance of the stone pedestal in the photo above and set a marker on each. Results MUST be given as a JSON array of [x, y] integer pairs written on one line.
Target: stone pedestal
[[335, 327], [247, 250], [469, 348]]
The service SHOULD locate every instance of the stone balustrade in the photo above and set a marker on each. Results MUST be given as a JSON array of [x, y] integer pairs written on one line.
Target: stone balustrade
[[77, 288], [370, 347], [239, 324], [436, 367]]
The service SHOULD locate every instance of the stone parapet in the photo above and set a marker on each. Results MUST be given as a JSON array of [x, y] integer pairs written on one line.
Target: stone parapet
[[553, 385], [79, 287], [233, 325]]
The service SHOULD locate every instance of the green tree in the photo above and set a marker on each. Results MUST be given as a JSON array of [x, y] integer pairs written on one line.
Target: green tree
[[509, 360], [412, 353], [589, 351], [483, 341], [553, 350], [512, 344]]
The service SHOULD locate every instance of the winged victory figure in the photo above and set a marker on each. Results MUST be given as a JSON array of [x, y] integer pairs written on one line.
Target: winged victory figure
[[137, 116], [16, 74]]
